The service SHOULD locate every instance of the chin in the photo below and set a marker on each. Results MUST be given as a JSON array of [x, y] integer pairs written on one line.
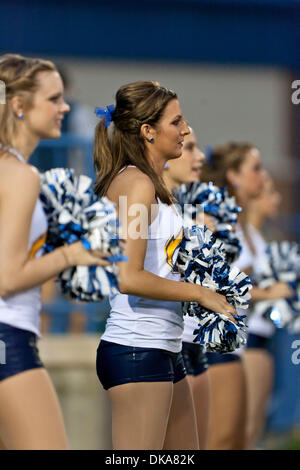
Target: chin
[[174, 156], [178, 154], [55, 134], [194, 179]]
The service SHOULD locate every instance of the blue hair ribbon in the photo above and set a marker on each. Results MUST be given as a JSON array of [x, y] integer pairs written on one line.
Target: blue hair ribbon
[[105, 113]]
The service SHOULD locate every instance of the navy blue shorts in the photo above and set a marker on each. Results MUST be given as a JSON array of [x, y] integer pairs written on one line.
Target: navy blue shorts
[[18, 351], [255, 341], [194, 358], [217, 358], [118, 364]]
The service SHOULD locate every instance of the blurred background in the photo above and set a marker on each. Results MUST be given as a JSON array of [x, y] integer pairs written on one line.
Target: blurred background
[[232, 64]]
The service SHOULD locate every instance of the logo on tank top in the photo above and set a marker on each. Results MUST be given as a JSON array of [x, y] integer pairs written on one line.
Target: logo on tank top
[[171, 247], [37, 245]]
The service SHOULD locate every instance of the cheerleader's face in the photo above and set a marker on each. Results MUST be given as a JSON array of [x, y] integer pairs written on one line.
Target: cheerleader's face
[[44, 118], [169, 133], [187, 168], [268, 202], [250, 177]]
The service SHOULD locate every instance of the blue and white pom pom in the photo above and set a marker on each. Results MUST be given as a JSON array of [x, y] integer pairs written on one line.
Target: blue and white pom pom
[[75, 213], [281, 263], [201, 261], [196, 198]]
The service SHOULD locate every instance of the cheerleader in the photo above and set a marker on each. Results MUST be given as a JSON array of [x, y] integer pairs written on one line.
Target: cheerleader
[[187, 169], [30, 416], [257, 357], [237, 166], [139, 357]]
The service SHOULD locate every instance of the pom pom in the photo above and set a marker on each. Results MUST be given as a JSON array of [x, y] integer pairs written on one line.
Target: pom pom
[[75, 213], [281, 263], [201, 260], [195, 198], [219, 334]]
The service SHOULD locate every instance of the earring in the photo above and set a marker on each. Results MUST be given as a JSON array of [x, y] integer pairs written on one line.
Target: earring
[[21, 116], [151, 140]]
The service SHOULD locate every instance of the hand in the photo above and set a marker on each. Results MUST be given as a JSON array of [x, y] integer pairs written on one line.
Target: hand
[[217, 303], [76, 255], [279, 290]]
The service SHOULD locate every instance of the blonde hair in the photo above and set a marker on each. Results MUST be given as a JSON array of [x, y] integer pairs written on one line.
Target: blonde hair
[[19, 76], [137, 103]]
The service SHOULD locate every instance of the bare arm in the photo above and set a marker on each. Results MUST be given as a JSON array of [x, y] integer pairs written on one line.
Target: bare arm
[[135, 280], [19, 190], [279, 290]]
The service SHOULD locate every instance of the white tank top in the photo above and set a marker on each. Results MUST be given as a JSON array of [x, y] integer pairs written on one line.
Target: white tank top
[[141, 322], [22, 309]]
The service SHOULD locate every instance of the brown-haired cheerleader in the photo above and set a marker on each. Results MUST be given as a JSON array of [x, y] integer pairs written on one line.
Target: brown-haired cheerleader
[[236, 165], [139, 357]]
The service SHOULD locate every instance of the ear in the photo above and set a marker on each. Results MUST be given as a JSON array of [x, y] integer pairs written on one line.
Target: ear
[[232, 177], [17, 104], [147, 131]]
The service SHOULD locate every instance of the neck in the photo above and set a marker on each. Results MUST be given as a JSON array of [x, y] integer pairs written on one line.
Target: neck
[[243, 202], [170, 182], [25, 144], [256, 219], [156, 161]]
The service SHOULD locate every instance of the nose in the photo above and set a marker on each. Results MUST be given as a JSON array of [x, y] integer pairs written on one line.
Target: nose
[[65, 107], [199, 156], [185, 129]]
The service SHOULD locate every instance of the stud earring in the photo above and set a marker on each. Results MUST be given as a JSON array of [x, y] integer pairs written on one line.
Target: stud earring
[[151, 140], [21, 116]]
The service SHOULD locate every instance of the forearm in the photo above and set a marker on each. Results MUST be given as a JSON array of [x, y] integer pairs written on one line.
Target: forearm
[[258, 294], [33, 272], [146, 284]]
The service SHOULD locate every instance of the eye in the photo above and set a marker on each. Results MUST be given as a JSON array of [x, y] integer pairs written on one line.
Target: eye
[[177, 121], [189, 147], [55, 99]]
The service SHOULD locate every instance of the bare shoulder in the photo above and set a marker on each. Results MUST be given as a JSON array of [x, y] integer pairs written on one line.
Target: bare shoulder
[[132, 182], [15, 174]]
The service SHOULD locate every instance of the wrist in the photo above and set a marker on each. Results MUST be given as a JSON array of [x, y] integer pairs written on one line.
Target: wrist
[[65, 251], [197, 295], [267, 293]]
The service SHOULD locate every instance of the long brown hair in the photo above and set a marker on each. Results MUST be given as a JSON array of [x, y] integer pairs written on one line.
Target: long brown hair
[[19, 76], [137, 103], [220, 159]]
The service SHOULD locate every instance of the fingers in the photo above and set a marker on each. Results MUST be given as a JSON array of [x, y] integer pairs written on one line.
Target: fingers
[[99, 258], [230, 311], [103, 262], [232, 318], [99, 253]]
